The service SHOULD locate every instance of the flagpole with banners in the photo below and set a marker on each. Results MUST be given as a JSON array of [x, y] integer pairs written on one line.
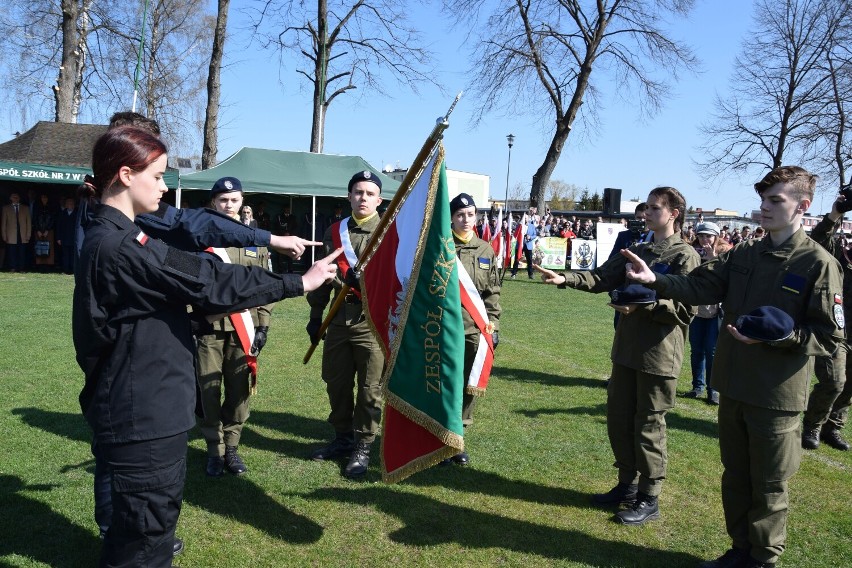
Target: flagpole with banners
[[411, 176]]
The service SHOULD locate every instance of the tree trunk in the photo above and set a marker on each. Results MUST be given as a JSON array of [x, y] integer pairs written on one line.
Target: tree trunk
[[63, 91], [214, 74], [154, 45], [82, 49], [563, 128], [320, 69]]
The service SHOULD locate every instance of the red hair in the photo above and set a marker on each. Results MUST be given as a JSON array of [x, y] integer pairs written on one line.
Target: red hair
[[128, 146]]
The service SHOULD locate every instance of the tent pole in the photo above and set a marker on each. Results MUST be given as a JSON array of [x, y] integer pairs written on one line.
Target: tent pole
[[313, 226]]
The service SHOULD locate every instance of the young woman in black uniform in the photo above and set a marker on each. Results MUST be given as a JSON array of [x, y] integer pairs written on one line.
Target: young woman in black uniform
[[133, 341]]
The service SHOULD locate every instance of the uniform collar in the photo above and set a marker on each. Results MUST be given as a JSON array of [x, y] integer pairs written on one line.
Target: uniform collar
[[787, 247], [113, 215], [670, 241], [367, 224]]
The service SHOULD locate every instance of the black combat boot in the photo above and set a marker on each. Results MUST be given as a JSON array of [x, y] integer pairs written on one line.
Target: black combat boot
[[832, 437], [359, 462], [233, 461], [644, 509], [810, 438], [340, 447], [621, 494], [215, 466]]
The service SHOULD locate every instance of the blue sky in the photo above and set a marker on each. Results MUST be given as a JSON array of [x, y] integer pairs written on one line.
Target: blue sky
[[628, 153]]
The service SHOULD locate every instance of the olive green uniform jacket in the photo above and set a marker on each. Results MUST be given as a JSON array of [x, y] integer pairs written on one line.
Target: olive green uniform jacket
[[652, 338], [799, 277]]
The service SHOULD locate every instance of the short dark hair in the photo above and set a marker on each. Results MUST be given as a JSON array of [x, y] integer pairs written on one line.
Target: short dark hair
[[130, 118], [641, 207], [802, 180]]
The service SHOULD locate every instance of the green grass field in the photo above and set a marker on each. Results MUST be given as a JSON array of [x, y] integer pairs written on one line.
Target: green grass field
[[538, 450]]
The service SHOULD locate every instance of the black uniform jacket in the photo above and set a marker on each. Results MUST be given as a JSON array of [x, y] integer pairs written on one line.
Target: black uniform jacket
[[132, 331]]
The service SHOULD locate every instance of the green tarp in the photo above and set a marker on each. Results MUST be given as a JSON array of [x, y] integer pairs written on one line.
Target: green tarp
[[287, 173]]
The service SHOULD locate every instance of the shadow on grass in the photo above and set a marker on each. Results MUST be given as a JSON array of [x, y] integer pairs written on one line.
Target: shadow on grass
[[432, 523], [33, 530], [674, 420], [238, 498], [476, 481], [530, 376], [318, 431]]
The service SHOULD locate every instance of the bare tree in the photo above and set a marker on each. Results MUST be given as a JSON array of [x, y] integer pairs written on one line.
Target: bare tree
[[344, 45], [214, 75], [46, 46], [561, 195], [171, 89], [539, 57], [781, 89]]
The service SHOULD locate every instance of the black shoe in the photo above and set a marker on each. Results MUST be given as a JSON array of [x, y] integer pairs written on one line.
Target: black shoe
[[234, 462], [694, 393], [713, 398], [178, 547], [359, 462], [833, 438], [733, 558], [461, 458], [644, 509], [215, 466], [340, 447], [621, 494], [810, 438]]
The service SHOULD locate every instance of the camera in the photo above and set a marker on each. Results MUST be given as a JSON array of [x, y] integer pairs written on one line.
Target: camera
[[636, 228], [845, 191]]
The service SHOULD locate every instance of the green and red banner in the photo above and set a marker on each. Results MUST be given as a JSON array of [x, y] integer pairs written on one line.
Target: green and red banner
[[411, 291]]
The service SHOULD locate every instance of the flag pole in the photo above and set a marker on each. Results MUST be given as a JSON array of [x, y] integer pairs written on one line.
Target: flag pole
[[411, 176]]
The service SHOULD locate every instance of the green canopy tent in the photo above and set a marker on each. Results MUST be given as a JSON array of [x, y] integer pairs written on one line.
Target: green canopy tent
[[287, 173], [280, 172]]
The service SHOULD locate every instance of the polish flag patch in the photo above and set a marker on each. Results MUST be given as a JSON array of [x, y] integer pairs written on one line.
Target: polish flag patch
[[141, 238]]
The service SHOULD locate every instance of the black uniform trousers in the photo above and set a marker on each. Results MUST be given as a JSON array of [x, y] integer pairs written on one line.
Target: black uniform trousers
[[147, 492]]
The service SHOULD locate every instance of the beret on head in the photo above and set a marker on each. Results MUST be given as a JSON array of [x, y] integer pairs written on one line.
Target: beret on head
[[707, 228], [225, 185], [766, 323], [366, 175], [461, 201], [632, 294]]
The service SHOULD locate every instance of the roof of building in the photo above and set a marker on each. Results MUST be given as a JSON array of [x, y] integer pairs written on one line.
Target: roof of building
[[57, 143]]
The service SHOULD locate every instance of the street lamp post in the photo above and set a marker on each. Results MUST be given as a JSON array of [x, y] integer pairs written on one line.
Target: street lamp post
[[511, 139]]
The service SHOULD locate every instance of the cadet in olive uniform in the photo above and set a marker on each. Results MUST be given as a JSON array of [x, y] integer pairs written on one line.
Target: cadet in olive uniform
[[763, 384], [221, 358], [477, 257], [828, 405], [352, 359], [647, 354]]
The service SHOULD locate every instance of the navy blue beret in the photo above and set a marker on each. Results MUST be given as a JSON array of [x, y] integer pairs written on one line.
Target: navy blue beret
[[366, 175], [461, 201], [766, 323], [225, 185], [632, 294]]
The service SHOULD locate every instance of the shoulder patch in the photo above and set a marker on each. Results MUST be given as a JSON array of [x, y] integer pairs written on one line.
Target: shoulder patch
[[484, 263], [839, 318], [183, 262], [251, 252], [141, 239]]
